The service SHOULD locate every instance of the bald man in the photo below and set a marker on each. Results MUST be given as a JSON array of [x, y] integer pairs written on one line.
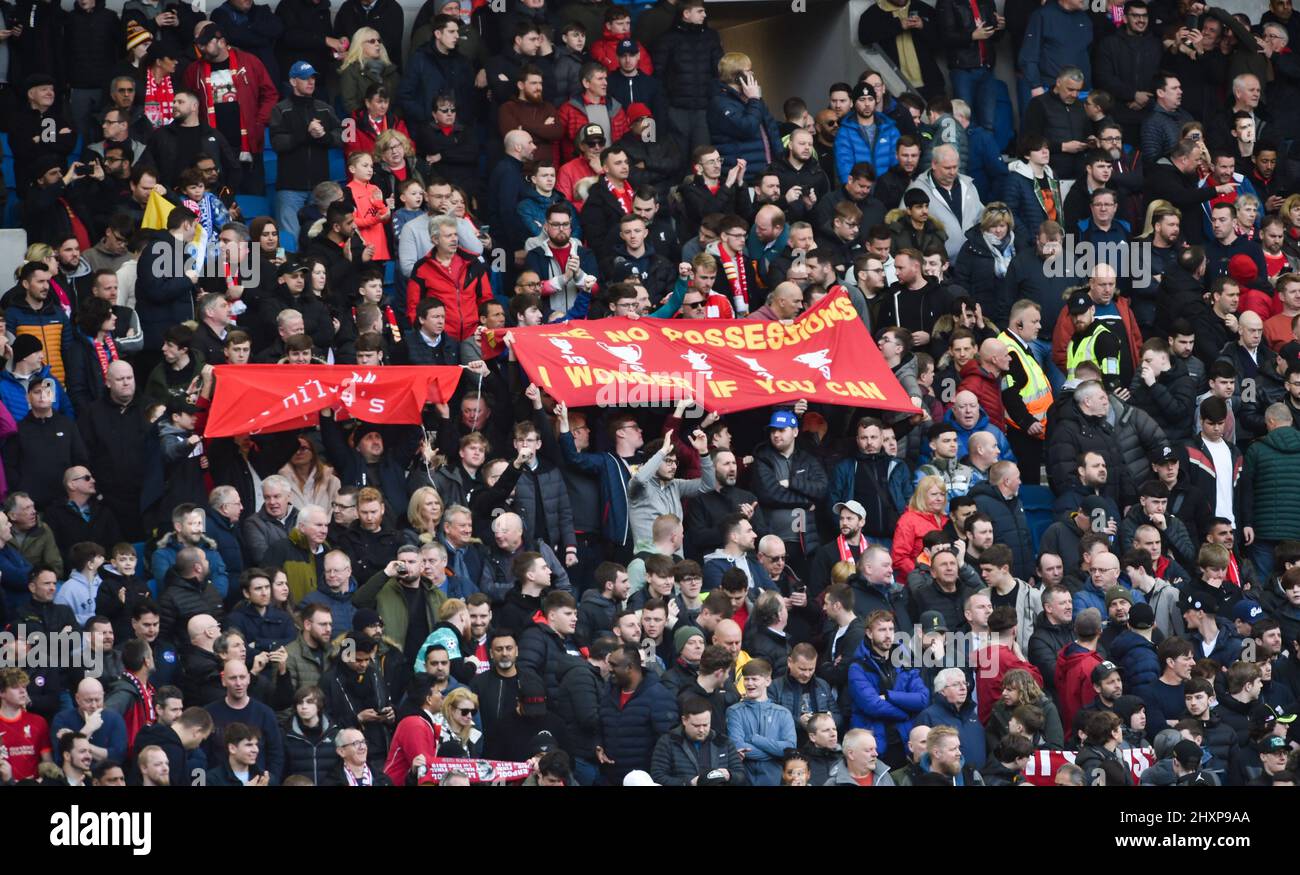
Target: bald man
[[238, 707], [727, 635], [1253, 359], [200, 666], [982, 376], [970, 419], [105, 729], [783, 304]]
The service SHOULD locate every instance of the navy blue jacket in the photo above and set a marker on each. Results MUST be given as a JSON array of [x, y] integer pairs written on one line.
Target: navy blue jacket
[[230, 543], [431, 73], [965, 720], [1055, 39], [262, 632], [631, 732], [614, 476], [164, 296], [1010, 526], [1136, 658], [737, 126]]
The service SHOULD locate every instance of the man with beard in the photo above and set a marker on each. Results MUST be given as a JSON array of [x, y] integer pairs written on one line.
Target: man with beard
[[877, 483], [237, 95], [308, 654], [357, 698], [848, 547], [498, 687], [892, 183], [707, 510], [886, 697]]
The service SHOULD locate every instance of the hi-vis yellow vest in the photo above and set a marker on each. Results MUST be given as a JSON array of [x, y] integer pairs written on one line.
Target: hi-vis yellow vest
[[1037, 391], [1085, 350]]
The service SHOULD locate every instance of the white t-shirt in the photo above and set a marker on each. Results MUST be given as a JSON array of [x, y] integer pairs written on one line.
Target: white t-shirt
[[1222, 457]]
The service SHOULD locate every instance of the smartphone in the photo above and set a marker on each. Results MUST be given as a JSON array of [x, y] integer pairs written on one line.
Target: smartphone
[[485, 229], [1191, 21], [279, 253]]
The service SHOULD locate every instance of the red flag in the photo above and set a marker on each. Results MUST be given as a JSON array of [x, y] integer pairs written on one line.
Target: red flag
[[724, 364], [492, 342], [258, 398]]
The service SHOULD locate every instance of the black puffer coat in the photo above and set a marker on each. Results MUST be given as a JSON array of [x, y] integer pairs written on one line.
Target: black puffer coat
[[686, 60], [92, 41]]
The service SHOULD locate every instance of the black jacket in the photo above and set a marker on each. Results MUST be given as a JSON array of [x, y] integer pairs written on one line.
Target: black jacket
[[304, 159], [1125, 64], [686, 61], [311, 754], [1047, 641], [1165, 181], [577, 703], [201, 677], [26, 127], [306, 24], [183, 598], [460, 153], [956, 23], [677, 761], [70, 527], [163, 152], [1010, 526], [45, 209], [601, 213], [92, 42], [37, 456]]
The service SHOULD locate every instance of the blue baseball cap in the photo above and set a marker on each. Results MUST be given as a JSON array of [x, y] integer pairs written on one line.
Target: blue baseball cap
[[783, 419], [1247, 611], [302, 70]]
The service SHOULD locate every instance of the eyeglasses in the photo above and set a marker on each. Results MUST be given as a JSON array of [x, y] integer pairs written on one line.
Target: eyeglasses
[[360, 742], [559, 225], [82, 477], [337, 506], [780, 558]]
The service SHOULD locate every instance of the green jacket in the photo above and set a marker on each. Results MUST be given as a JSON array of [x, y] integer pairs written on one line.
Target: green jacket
[[39, 548], [303, 667], [384, 594], [1272, 472], [296, 558]]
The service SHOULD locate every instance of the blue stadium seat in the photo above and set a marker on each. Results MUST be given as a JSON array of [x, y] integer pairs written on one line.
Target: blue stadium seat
[[252, 205], [1037, 502], [338, 167], [288, 241]]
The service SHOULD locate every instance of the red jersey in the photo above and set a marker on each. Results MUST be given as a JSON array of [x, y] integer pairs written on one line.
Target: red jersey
[[23, 740]]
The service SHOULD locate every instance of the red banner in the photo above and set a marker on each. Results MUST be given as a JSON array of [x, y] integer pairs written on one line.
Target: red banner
[[1044, 764], [725, 365], [259, 398]]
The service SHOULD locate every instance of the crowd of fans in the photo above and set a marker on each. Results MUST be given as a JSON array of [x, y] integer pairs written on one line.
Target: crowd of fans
[[1083, 540]]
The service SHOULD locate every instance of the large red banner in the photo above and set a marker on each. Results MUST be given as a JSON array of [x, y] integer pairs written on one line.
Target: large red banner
[[725, 365], [1043, 765], [259, 398]]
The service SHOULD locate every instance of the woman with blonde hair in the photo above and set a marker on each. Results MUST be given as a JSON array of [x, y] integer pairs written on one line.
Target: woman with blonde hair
[[984, 258], [1019, 689], [366, 63], [460, 737], [924, 514], [45, 253], [311, 478], [842, 571], [424, 514], [1161, 206]]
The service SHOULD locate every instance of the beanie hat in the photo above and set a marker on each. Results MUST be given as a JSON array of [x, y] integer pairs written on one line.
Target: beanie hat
[[136, 34], [684, 634], [25, 345], [1242, 268]]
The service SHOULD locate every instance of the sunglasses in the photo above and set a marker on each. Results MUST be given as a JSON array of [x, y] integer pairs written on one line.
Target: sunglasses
[[467, 712]]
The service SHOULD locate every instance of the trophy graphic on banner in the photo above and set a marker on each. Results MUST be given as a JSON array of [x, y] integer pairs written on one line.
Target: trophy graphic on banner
[[629, 355]]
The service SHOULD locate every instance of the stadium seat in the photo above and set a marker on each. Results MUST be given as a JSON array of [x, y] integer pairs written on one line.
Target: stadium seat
[[1037, 502], [252, 205]]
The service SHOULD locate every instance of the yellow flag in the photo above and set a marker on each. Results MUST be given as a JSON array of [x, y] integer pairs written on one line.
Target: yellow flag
[[156, 212]]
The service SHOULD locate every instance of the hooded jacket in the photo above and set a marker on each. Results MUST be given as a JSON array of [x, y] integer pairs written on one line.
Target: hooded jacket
[[630, 731], [1074, 665], [886, 699], [879, 482], [687, 57], [311, 754], [164, 558], [1010, 526], [743, 128], [764, 731], [851, 146]]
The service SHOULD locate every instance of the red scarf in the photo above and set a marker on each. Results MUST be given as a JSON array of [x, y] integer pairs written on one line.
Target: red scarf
[[1234, 570], [623, 195], [366, 779], [846, 554], [106, 353], [734, 268], [158, 97], [205, 77], [979, 22], [379, 124]]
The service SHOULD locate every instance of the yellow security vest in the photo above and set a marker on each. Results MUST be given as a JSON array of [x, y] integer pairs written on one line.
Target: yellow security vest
[[1037, 391], [1085, 350]]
